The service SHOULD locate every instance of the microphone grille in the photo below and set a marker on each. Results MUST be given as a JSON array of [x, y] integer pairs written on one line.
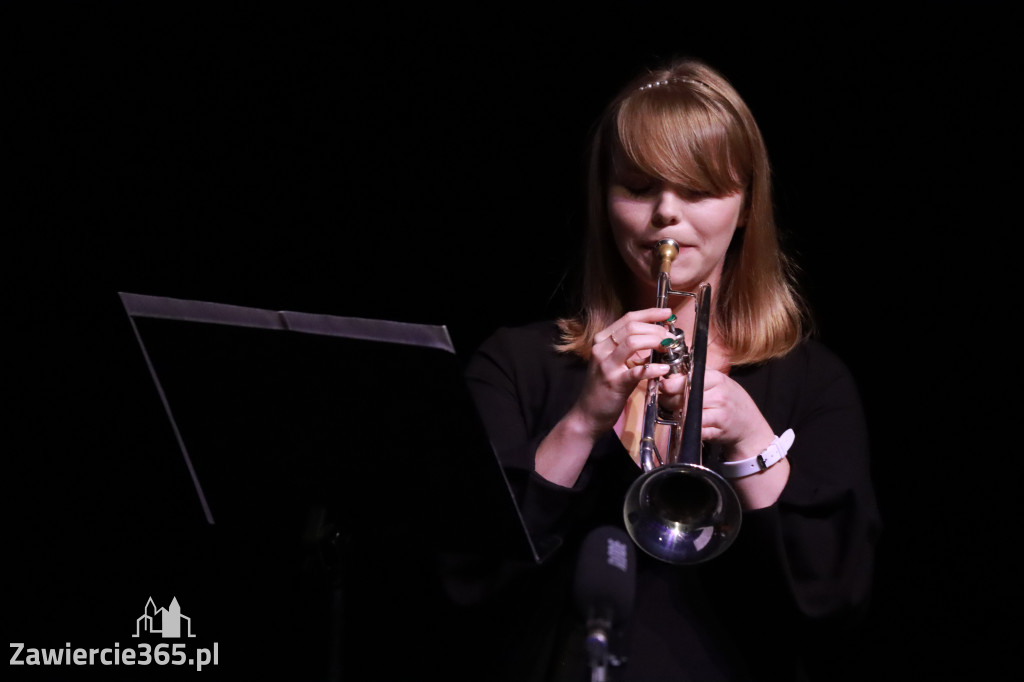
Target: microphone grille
[[606, 573]]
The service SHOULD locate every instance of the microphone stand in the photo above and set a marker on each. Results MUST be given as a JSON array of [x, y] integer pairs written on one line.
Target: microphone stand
[[599, 653]]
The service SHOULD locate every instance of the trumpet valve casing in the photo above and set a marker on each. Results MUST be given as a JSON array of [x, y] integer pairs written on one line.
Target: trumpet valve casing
[[674, 353]]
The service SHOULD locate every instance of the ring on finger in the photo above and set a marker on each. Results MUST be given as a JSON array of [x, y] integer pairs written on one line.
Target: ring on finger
[[614, 340]]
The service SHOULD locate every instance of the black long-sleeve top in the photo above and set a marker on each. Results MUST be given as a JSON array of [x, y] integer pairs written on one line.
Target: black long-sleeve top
[[771, 607]]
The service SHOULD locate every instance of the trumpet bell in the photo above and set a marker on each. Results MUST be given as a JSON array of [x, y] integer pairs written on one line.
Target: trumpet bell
[[682, 513]]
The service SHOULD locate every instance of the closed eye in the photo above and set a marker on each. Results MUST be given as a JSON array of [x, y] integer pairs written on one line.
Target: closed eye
[[640, 189], [694, 195]]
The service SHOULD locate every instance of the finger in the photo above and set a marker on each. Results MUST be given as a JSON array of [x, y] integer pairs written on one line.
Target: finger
[[674, 384], [710, 433], [629, 327], [628, 342], [632, 338], [639, 343], [711, 423], [638, 358], [619, 328], [632, 350], [648, 371], [633, 368], [713, 378], [649, 315], [715, 403]]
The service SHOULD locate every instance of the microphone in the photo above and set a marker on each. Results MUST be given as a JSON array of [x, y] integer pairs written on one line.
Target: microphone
[[604, 591]]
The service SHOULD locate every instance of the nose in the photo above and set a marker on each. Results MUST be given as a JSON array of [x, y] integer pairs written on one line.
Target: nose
[[667, 209]]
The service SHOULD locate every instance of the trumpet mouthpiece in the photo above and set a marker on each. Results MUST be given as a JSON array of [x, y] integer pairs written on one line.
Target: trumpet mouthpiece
[[667, 251]]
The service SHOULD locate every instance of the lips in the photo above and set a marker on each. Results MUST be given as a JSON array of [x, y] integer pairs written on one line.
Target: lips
[[683, 248], [653, 246]]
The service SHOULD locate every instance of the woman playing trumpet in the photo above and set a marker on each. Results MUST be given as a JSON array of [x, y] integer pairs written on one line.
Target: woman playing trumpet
[[677, 155]]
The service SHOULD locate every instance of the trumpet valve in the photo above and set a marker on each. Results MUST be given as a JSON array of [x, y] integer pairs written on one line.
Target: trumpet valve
[[673, 352]]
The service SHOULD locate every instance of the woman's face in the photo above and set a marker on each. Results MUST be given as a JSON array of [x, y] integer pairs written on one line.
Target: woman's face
[[643, 210]]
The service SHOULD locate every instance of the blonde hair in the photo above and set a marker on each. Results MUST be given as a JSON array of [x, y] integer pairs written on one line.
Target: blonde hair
[[686, 125]]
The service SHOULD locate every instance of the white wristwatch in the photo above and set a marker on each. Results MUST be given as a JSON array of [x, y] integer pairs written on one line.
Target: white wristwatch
[[771, 456]]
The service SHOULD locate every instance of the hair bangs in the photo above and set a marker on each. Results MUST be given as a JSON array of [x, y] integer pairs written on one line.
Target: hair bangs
[[674, 134]]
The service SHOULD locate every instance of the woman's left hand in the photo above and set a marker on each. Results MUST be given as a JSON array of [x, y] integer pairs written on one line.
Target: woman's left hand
[[731, 418]]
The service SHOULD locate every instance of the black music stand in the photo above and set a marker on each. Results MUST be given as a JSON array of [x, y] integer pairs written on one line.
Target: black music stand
[[344, 448]]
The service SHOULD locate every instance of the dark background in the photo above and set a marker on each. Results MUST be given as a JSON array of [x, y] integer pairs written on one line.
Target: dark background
[[425, 166]]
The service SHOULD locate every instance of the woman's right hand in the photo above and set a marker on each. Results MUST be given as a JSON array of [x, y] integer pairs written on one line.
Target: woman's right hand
[[619, 361]]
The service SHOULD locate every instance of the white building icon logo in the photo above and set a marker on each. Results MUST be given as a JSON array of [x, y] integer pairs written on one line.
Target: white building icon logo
[[165, 621]]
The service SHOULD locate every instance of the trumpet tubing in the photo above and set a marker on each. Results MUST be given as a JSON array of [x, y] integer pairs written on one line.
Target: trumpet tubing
[[678, 510]]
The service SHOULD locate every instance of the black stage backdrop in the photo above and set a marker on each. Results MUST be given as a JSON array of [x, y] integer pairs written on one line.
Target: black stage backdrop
[[426, 167]]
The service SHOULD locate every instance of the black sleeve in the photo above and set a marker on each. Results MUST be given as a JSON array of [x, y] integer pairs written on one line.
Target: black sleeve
[[807, 561], [828, 509], [522, 387]]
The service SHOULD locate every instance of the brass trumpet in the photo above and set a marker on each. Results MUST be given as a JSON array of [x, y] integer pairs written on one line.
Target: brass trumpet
[[678, 510]]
